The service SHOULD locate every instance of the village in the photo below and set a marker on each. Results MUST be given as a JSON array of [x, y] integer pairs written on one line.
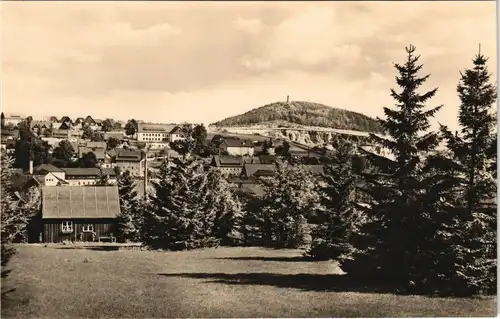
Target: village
[[240, 159]]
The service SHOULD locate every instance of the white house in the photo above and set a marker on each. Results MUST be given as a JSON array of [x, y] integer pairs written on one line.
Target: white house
[[234, 146]]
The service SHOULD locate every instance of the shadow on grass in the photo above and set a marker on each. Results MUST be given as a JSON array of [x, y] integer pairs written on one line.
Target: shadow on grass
[[307, 282], [96, 248], [277, 259], [7, 253]]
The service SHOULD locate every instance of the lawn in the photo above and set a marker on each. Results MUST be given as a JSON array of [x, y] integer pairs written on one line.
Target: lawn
[[64, 282]]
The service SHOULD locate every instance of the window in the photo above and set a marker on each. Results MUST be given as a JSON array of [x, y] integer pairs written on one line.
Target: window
[[67, 226], [88, 228]]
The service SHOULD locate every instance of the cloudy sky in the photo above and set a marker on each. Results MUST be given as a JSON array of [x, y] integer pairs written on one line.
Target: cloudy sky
[[201, 62]]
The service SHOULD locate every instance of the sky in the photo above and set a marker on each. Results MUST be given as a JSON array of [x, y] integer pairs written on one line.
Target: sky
[[202, 62]]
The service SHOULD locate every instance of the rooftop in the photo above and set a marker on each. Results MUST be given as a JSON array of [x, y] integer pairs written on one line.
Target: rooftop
[[80, 202]]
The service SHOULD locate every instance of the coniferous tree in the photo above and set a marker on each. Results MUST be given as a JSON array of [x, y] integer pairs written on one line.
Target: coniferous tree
[[102, 179], [225, 208], [471, 264], [390, 246], [289, 196], [129, 221], [176, 219], [338, 216]]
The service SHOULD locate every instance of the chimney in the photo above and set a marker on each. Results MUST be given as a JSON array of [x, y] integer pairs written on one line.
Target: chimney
[[288, 99], [31, 167]]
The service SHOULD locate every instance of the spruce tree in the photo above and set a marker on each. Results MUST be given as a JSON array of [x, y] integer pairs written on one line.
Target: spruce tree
[[390, 245], [16, 212], [225, 209], [472, 261], [176, 219], [129, 221], [289, 197], [338, 216], [102, 179]]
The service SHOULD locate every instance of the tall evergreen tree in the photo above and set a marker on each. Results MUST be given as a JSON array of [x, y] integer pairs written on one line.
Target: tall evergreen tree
[[288, 199], [129, 221], [338, 216], [472, 261], [177, 219], [225, 208], [390, 245]]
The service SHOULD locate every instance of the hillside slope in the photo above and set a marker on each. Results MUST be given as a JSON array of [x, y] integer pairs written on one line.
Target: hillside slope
[[303, 113]]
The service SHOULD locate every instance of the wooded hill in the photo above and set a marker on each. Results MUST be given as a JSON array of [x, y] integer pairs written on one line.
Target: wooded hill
[[303, 113]]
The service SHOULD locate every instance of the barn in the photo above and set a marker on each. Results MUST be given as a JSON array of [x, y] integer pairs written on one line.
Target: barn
[[76, 213]]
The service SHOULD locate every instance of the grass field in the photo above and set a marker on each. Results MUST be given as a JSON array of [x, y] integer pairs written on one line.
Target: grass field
[[66, 282]]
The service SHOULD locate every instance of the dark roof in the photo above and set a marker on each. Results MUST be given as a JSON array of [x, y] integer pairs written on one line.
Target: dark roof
[[232, 142], [176, 130], [227, 160], [80, 202], [40, 124], [91, 171], [128, 155], [49, 168], [250, 169]]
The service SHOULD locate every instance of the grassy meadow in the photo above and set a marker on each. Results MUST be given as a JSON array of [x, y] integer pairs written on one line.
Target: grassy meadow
[[80, 282]]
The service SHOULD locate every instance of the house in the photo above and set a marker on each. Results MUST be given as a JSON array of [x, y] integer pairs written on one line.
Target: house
[[94, 124], [46, 175], [228, 165], [67, 121], [252, 171], [11, 119], [236, 146], [87, 176], [175, 134], [40, 126], [130, 160], [158, 133], [72, 213]]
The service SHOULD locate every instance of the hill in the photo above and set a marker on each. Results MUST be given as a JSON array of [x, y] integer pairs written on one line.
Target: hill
[[303, 114]]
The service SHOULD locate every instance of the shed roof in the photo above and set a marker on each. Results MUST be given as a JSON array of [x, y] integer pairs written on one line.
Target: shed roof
[[80, 202]]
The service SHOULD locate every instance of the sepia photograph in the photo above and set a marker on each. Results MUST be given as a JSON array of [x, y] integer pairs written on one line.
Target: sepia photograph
[[253, 159]]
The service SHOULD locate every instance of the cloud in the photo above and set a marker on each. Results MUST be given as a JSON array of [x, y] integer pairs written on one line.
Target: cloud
[[251, 26], [205, 61]]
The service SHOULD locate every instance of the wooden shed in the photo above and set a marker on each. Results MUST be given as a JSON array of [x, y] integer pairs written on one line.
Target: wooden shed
[[76, 213]]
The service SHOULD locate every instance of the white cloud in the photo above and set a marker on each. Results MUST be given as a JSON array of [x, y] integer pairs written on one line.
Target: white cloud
[[251, 26]]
